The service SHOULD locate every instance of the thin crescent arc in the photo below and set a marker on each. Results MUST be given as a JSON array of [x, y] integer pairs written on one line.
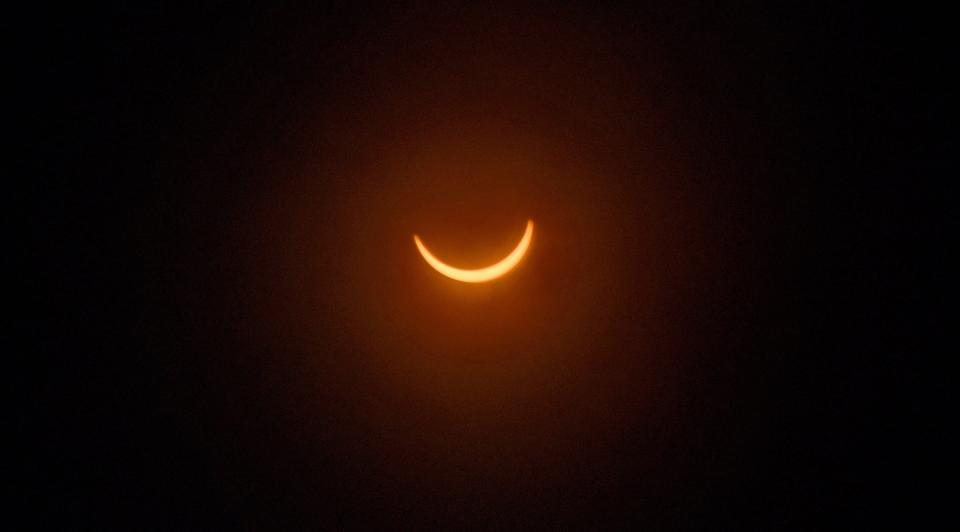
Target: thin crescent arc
[[482, 274]]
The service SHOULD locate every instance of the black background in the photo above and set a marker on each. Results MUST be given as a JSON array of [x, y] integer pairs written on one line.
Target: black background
[[235, 333]]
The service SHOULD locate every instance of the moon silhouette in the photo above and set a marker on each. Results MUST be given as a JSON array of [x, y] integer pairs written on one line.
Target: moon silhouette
[[480, 275]]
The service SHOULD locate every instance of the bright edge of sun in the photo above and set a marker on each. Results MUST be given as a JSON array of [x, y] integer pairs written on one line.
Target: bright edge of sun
[[480, 275]]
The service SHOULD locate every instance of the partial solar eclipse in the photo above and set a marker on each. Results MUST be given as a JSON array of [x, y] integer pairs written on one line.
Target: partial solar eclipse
[[480, 275]]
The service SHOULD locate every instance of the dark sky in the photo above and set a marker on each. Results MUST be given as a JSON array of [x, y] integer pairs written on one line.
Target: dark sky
[[714, 328]]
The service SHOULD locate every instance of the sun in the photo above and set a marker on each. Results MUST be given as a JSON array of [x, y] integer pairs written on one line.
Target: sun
[[480, 275]]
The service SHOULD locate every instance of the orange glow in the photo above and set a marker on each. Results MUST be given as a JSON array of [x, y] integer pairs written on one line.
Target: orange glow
[[480, 275]]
